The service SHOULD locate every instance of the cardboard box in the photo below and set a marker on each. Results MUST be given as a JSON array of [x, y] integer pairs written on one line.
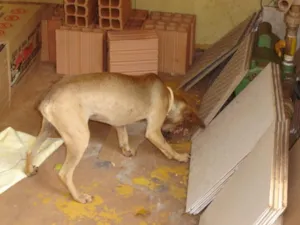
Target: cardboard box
[[20, 41]]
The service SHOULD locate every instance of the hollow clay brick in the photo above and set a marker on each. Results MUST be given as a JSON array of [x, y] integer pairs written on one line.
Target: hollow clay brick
[[114, 14], [174, 49], [133, 52], [179, 18], [80, 13], [79, 51]]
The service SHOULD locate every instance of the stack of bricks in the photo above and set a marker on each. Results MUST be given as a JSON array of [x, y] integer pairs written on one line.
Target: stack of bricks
[[133, 52], [136, 19], [51, 21], [113, 14], [176, 40], [80, 13], [79, 50]]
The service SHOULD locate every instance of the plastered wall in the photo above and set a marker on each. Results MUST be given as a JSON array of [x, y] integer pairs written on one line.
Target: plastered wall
[[214, 17]]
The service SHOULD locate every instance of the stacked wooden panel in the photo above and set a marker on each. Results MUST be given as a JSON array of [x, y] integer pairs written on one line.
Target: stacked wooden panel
[[218, 52], [229, 78], [80, 13], [176, 39], [113, 14], [133, 52], [257, 192], [136, 19], [230, 137], [79, 50]]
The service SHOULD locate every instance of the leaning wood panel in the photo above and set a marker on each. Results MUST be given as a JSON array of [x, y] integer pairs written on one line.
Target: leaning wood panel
[[229, 138], [216, 54], [227, 81]]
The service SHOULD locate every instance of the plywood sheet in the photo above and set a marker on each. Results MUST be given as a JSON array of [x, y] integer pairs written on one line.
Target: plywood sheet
[[214, 55], [229, 138], [227, 81], [237, 192], [254, 191]]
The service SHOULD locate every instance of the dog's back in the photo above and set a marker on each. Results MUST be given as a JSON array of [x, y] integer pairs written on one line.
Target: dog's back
[[106, 96]]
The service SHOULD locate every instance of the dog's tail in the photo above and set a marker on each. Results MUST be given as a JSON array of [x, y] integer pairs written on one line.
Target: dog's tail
[[171, 99], [45, 131]]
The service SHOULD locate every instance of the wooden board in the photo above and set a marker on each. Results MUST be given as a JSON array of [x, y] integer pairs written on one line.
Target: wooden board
[[255, 188], [227, 81], [292, 216], [230, 137], [216, 54]]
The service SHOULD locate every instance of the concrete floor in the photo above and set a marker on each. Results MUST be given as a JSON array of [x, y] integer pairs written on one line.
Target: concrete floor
[[148, 183]]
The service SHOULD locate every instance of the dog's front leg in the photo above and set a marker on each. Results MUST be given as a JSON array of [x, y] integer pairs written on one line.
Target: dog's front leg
[[154, 135], [124, 142]]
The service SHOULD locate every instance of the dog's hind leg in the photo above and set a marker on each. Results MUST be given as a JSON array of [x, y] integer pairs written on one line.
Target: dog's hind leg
[[124, 142], [153, 133], [75, 132], [45, 131]]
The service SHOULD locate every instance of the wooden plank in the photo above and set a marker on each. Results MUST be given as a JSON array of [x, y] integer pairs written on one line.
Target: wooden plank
[[253, 190], [228, 139], [216, 54], [227, 81]]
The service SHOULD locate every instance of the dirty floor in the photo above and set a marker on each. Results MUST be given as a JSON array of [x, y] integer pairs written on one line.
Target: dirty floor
[[146, 189]]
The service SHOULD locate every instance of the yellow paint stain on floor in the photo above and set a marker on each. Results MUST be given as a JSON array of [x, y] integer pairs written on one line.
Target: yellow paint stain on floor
[[44, 198], [74, 210], [125, 190], [88, 188], [100, 215], [110, 215], [178, 192], [143, 181], [163, 175]]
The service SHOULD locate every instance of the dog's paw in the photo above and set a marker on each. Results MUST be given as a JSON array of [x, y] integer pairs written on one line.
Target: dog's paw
[[84, 198], [182, 157], [128, 153], [32, 171]]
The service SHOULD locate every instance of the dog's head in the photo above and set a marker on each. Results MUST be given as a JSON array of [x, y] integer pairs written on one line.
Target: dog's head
[[181, 115]]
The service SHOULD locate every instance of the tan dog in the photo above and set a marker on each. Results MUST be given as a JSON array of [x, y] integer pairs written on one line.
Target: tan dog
[[110, 98]]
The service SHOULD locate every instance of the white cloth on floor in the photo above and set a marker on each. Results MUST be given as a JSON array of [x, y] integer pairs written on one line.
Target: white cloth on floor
[[13, 148]]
